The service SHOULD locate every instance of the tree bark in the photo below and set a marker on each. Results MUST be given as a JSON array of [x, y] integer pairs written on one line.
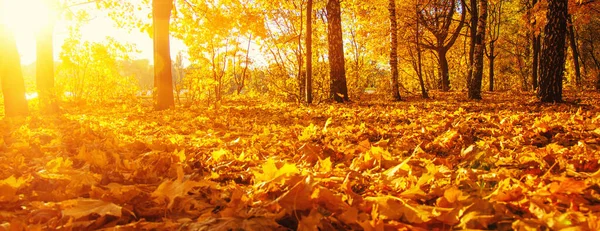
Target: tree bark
[[424, 93], [242, 81], [163, 79], [575, 51], [301, 73], [11, 76], [309, 10], [552, 62], [444, 69], [474, 12], [438, 20], [45, 67], [337, 71], [475, 85], [491, 59], [394, 50], [536, 49]]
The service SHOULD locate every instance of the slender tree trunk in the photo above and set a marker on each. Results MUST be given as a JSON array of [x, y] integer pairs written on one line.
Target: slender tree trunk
[[536, 49], [553, 54], [444, 70], [337, 72], [309, 10], [45, 68], [242, 81], [394, 50], [491, 59], [424, 94], [473, 37], [163, 79], [301, 73], [575, 51], [475, 86], [11, 76]]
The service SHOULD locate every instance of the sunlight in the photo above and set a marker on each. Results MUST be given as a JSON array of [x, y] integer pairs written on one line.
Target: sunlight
[[24, 17], [30, 96]]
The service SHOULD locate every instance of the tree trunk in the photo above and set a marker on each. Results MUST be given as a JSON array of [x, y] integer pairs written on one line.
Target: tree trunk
[[394, 50], [242, 81], [444, 70], [301, 74], [45, 68], [491, 59], [575, 51], [552, 62], [337, 72], [309, 10], [163, 79], [473, 37], [536, 49], [11, 76], [475, 85], [424, 94]]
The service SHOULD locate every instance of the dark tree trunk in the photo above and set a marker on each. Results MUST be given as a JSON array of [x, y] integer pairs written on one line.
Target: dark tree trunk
[[552, 62], [475, 86], [394, 50], [11, 76], [419, 58], [491, 59], [163, 79], [444, 70], [438, 20], [301, 73], [575, 51], [536, 49], [474, 12], [337, 72], [309, 10], [45, 69]]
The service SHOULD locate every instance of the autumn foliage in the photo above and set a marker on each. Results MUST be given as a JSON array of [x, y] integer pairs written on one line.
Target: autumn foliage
[[300, 115], [417, 165]]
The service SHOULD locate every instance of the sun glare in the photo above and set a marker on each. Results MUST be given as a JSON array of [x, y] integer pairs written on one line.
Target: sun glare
[[24, 17]]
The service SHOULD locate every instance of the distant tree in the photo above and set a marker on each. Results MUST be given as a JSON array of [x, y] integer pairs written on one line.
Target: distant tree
[[494, 25], [337, 72], [163, 81], [11, 77], [45, 61], [574, 50], [552, 62], [45, 76], [536, 46], [394, 50], [437, 17], [475, 84], [473, 10], [309, 90]]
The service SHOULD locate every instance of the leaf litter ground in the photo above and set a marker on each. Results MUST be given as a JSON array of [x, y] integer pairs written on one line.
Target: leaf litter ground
[[503, 163]]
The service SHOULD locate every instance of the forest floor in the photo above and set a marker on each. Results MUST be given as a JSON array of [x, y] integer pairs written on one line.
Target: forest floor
[[503, 163]]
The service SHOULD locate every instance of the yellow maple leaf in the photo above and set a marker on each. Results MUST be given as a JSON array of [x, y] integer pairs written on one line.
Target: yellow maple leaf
[[172, 189], [218, 154], [393, 208], [9, 187], [325, 165], [271, 172], [82, 207], [56, 164], [181, 155]]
